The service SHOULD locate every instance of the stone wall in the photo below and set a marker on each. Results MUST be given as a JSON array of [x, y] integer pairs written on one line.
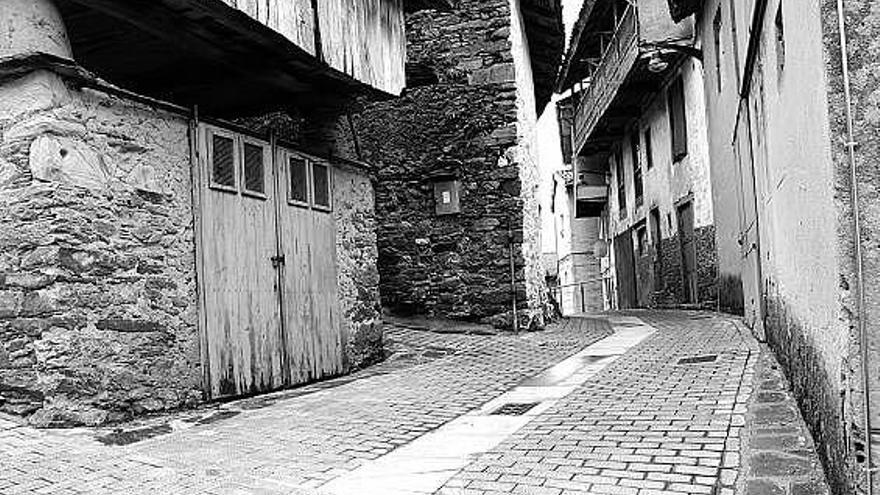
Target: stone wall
[[98, 306], [97, 271], [357, 256], [475, 125]]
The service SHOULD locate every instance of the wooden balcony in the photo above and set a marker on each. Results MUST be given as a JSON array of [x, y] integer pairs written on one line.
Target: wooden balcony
[[607, 77], [587, 192]]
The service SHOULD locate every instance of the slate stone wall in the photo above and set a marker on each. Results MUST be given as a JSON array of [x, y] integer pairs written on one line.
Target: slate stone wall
[[475, 124], [356, 256], [98, 305], [97, 269]]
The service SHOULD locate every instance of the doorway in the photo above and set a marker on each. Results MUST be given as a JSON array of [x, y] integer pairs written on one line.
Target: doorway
[[269, 310]]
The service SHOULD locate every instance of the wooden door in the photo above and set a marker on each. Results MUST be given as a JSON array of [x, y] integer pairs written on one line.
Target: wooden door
[[269, 309], [749, 237], [688, 251], [241, 315], [307, 231], [624, 267]]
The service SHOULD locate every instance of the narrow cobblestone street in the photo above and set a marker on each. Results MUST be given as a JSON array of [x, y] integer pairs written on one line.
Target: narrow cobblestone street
[[652, 403]]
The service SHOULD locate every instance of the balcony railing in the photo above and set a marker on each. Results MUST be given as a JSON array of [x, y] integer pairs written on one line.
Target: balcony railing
[[619, 56]]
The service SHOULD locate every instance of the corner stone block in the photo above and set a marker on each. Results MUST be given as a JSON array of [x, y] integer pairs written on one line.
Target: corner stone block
[[58, 159]]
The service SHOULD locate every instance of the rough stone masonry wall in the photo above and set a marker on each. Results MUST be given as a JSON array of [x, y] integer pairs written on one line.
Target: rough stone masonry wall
[[356, 258], [97, 270], [470, 124], [846, 454]]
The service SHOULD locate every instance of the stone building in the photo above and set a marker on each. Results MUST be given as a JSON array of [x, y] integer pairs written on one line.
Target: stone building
[[459, 233], [636, 129], [580, 272], [791, 92], [181, 217]]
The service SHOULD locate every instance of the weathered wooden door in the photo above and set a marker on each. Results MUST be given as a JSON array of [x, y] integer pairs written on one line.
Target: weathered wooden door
[[267, 277], [242, 317], [314, 337], [685, 215], [749, 237], [624, 267]]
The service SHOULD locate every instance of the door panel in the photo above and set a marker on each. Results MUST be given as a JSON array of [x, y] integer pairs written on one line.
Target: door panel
[[749, 236], [624, 265], [241, 310], [688, 251], [267, 261], [311, 304]]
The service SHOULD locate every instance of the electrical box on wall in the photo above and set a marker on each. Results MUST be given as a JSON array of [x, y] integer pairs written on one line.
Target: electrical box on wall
[[447, 197]]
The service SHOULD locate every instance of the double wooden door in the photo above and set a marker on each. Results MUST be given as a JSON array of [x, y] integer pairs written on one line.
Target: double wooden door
[[269, 312]]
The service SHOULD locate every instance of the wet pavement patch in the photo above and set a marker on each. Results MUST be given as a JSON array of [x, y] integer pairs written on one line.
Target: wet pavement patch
[[218, 416], [698, 359], [514, 409], [127, 437]]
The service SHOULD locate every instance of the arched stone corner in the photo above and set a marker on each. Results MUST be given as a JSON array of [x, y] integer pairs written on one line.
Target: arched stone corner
[[32, 26]]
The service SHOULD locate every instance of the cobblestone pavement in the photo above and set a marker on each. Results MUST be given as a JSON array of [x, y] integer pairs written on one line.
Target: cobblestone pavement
[[650, 424], [294, 440]]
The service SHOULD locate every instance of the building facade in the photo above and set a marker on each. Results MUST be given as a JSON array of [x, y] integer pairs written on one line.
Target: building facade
[[182, 218], [579, 288], [791, 96], [637, 135], [459, 235]]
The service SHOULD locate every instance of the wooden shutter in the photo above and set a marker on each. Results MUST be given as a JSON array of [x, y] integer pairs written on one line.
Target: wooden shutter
[[677, 120], [254, 169], [222, 161]]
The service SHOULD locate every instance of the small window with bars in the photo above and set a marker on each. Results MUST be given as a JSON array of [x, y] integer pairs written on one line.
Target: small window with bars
[[321, 186], [254, 167], [298, 186], [223, 160]]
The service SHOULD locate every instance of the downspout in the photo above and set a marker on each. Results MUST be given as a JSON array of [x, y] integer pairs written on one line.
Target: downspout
[[857, 240]]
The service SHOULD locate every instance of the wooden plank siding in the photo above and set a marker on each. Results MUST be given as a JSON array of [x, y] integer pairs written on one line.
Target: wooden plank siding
[[364, 39]]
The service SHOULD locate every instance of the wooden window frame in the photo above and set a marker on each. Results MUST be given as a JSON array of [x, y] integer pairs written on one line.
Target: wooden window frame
[[649, 148], [315, 206], [638, 174], [679, 145], [288, 174], [267, 161], [620, 174], [210, 132]]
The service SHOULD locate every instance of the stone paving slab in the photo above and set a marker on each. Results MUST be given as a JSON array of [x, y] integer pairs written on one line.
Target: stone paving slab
[[297, 440], [778, 454], [645, 425]]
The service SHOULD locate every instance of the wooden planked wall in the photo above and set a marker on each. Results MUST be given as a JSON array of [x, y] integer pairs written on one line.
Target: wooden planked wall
[[362, 38]]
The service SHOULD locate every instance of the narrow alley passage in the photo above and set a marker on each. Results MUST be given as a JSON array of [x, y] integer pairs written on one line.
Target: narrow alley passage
[[652, 403]]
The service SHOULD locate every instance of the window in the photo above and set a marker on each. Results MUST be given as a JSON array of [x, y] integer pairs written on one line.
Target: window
[[299, 181], [656, 233], [677, 120], [642, 239], [716, 38], [321, 185], [621, 182], [649, 149], [223, 162], [780, 40], [254, 169], [638, 183]]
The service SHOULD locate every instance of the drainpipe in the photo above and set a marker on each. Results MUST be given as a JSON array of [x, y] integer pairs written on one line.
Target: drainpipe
[[857, 238], [512, 261]]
